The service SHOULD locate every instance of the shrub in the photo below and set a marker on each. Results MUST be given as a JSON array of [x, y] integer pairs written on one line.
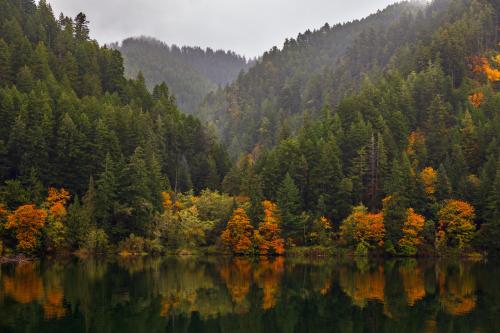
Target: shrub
[[132, 245]]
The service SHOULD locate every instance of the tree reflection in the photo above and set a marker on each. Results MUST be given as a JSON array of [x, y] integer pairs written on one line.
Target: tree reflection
[[156, 293], [413, 282], [53, 307], [457, 288], [363, 286], [267, 275], [25, 286], [237, 275]]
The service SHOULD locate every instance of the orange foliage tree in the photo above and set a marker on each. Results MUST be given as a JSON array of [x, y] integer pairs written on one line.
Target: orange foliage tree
[[428, 176], [268, 236], [56, 229], [367, 229], [238, 233], [56, 196], [456, 224], [27, 222], [476, 99], [412, 228], [482, 65]]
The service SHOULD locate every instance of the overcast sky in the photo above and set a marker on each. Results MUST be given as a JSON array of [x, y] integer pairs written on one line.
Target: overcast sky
[[248, 27]]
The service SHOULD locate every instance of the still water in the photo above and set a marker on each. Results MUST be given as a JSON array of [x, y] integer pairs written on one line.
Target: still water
[[213, 294]]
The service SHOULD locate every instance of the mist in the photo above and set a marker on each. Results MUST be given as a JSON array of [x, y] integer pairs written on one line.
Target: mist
[[248, 27]]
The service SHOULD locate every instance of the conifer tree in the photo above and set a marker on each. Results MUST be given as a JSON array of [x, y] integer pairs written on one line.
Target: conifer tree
[[288, 197]]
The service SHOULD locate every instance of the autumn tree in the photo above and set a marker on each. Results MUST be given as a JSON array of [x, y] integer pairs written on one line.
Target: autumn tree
[[26, 222], [268, 236], [456, 225], [238, 233], [365, 230], [428, 177], [412, 229], [56, 229]]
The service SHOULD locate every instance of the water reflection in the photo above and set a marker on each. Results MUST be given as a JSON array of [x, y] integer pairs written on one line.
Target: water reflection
[[241, 294]]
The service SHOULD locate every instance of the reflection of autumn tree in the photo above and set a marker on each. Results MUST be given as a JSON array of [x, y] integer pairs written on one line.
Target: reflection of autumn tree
[[53, 307], [322, 281], [26, 285], [237, 276], [413, 282], [267, 275], [190, 288], [457, 289], [363, 286]]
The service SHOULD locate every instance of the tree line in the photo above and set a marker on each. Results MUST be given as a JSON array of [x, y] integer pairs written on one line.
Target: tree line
[[407, 163]]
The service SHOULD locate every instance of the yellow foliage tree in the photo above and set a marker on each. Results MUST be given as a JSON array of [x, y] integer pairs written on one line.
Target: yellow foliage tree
[[456, 224], [56, 229], [268, 236], [27, 221], [428, 176], [483, 65], [238, 233], [412, 228], [56, 196]]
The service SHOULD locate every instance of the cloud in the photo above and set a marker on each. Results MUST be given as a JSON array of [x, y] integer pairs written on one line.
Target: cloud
[[248, 27]]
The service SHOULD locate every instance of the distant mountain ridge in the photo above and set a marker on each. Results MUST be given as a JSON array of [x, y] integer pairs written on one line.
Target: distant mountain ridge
[[190, 72]]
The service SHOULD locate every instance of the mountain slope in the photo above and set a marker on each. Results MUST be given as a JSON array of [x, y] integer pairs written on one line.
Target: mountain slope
[[317, 68], [69, 118], [421, 137], [190, 72]]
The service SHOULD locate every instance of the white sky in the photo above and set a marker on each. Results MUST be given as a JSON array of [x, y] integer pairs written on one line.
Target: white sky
[[248, 27]]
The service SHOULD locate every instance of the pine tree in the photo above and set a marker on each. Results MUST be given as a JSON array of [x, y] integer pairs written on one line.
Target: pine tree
[[81, 27], [326, 177], [107, 193], [443, 185], [5, 64], [288, 199]]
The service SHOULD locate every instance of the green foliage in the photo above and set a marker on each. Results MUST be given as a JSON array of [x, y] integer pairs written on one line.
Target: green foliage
[[96, 241], [288, 200], [132, 245], [68, 115]]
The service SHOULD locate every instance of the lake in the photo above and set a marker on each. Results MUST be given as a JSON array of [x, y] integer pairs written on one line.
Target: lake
[[219, 294]]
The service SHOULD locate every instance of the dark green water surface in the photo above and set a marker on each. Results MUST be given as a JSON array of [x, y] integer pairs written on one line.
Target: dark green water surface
[[210, 294]]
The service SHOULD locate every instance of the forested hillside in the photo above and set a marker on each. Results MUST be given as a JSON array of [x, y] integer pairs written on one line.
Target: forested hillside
[[410, 160], [69, 118], [321, 67], [376, 136], [190, 72]]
